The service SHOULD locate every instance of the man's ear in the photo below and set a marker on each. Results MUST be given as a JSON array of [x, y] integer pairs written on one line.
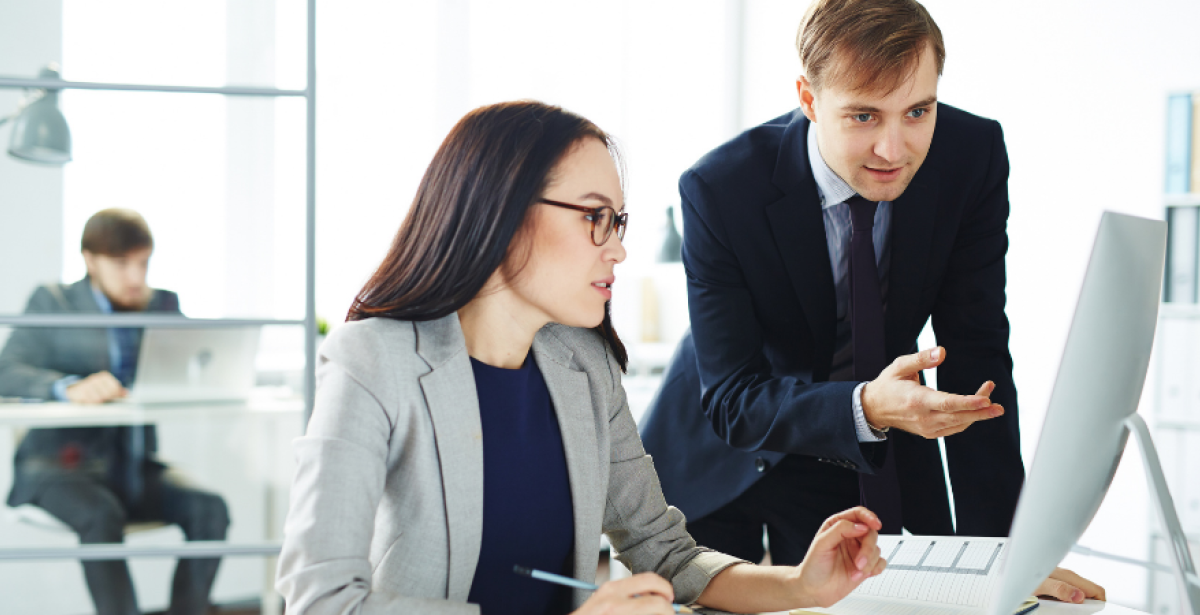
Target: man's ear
[[88, 259], [807, 97]]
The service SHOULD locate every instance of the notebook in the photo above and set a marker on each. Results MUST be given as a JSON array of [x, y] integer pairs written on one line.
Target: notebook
[[930, 575]]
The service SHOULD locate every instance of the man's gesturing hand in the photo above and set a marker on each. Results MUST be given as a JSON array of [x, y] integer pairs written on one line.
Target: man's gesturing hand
[[897, 399]]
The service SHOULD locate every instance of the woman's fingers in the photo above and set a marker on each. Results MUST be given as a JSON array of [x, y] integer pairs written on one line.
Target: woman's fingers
[[858, 514], [867, 553], [1089, 589], [1060, 590]]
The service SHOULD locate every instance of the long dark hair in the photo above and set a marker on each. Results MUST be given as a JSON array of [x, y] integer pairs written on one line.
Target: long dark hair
[[472, 202]]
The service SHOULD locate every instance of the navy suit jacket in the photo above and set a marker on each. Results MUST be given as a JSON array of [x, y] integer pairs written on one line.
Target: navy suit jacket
[[750, 384]]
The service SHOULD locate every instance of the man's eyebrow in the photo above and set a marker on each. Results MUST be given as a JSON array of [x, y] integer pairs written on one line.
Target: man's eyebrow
[[861, 108], [932, 100]]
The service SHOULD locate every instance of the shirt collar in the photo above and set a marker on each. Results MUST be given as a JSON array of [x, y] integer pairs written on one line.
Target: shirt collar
[[832, 189], [101, 300]]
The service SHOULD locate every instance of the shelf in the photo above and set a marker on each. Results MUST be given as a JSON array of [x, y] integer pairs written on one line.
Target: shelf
[[60, 84], [75, 321], [1177, 424], [1182, 200], [1179, 311], [110, 552]]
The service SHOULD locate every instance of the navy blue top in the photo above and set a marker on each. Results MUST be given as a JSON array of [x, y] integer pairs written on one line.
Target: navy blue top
[[528, 519]]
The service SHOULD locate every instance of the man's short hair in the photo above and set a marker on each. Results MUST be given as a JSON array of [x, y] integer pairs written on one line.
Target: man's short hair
[[866, 45], [116, 232]]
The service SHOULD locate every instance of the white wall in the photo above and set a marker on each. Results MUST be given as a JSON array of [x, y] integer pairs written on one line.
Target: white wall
[[394, 78], [31, 197]]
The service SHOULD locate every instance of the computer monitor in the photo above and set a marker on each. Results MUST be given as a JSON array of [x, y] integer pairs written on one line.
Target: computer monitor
[[1092, 410]]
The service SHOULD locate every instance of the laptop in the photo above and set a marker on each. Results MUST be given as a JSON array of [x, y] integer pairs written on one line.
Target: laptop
[[195, 365]]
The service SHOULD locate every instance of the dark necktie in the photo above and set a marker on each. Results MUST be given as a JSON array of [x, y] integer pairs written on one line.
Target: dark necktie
[[128, 342], [880, 491], [127, 350]]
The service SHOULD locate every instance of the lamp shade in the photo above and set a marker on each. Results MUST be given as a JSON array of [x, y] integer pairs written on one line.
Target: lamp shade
[[40, 132]]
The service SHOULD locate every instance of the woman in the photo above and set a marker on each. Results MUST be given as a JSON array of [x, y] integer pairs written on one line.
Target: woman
[[470, 418]]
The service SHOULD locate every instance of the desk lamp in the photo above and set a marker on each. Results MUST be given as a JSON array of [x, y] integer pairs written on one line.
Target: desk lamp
[[40, 133]]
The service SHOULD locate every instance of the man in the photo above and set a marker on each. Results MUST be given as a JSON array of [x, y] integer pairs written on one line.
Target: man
[[817, 246], [95, 479]]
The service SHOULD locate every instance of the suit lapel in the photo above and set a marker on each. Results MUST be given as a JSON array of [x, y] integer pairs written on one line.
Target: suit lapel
[[572, 399], [454, 408], [90, 343], [914, 216], [798, 225]]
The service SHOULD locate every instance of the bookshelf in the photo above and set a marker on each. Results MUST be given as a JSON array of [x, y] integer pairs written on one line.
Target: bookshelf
[[1177, 382]]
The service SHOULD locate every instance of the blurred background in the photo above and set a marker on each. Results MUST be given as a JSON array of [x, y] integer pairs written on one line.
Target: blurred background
[[1081, 89]]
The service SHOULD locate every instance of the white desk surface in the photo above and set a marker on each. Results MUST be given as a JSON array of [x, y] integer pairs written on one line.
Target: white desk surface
[[1046, 607], [262, 404]]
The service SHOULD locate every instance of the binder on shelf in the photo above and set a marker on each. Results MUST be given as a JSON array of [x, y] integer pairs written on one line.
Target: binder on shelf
[[1183, 235], [1195, 183], [1179, 143]]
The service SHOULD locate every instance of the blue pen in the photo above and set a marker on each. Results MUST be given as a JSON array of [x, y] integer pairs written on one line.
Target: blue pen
[[576, 583]]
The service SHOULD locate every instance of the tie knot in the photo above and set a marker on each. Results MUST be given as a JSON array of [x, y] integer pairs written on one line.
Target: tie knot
[[862, 214]]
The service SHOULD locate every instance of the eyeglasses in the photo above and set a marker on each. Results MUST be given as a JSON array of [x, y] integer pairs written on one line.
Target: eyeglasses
[[604, 220]]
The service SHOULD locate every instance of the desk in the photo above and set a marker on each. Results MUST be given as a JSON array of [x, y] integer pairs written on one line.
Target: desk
[[241, 450], [1046, 607], [262, 404]]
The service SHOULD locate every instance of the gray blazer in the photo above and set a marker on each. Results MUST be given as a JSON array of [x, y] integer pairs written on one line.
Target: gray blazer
[[34, 358], [386, 510]]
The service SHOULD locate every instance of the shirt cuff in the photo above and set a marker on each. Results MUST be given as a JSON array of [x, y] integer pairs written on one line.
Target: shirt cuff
[[865, 432], [59, 389]]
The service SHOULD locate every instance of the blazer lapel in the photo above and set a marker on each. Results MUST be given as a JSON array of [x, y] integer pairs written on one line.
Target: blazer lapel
[[571, 395], [798, 225], [89, 343], [914, 216], [454, 408]]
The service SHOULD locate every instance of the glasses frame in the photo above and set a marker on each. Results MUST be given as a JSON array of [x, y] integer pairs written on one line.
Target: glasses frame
[[620, 220]]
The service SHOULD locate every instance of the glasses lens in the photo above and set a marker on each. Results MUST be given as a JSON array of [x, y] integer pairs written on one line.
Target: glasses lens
[[603, 226], [622, 223]]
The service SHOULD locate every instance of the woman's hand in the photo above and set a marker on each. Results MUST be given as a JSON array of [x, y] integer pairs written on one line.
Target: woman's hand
[[843, 555], [1069, 587], [642, 594]]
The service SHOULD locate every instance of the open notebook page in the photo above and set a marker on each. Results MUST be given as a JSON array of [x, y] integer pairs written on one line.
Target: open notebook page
[[935, 575]]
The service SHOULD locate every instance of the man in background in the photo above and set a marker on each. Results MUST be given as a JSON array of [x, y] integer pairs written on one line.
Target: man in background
[[97, 479]]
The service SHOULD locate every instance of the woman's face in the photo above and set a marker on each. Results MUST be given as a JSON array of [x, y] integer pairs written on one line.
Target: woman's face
[[568, 277]]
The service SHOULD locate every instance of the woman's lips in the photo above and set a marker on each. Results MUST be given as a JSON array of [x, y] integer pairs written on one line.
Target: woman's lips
[[604, 288]]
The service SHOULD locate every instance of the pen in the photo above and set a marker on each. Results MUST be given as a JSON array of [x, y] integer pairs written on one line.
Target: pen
[[569, 582]]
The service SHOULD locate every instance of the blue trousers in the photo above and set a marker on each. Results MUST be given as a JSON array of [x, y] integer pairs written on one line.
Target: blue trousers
[[98, 512]]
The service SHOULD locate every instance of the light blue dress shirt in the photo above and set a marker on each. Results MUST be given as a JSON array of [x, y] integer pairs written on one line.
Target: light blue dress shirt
[[834, 192], [114, 349]]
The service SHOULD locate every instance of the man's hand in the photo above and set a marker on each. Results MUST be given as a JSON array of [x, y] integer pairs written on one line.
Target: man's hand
[[98, 388], [1069, 587], [897, 399], [843, 554]]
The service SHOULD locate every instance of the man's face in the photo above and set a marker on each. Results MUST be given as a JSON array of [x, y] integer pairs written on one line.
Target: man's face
[[121, 278], [875, 141]]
